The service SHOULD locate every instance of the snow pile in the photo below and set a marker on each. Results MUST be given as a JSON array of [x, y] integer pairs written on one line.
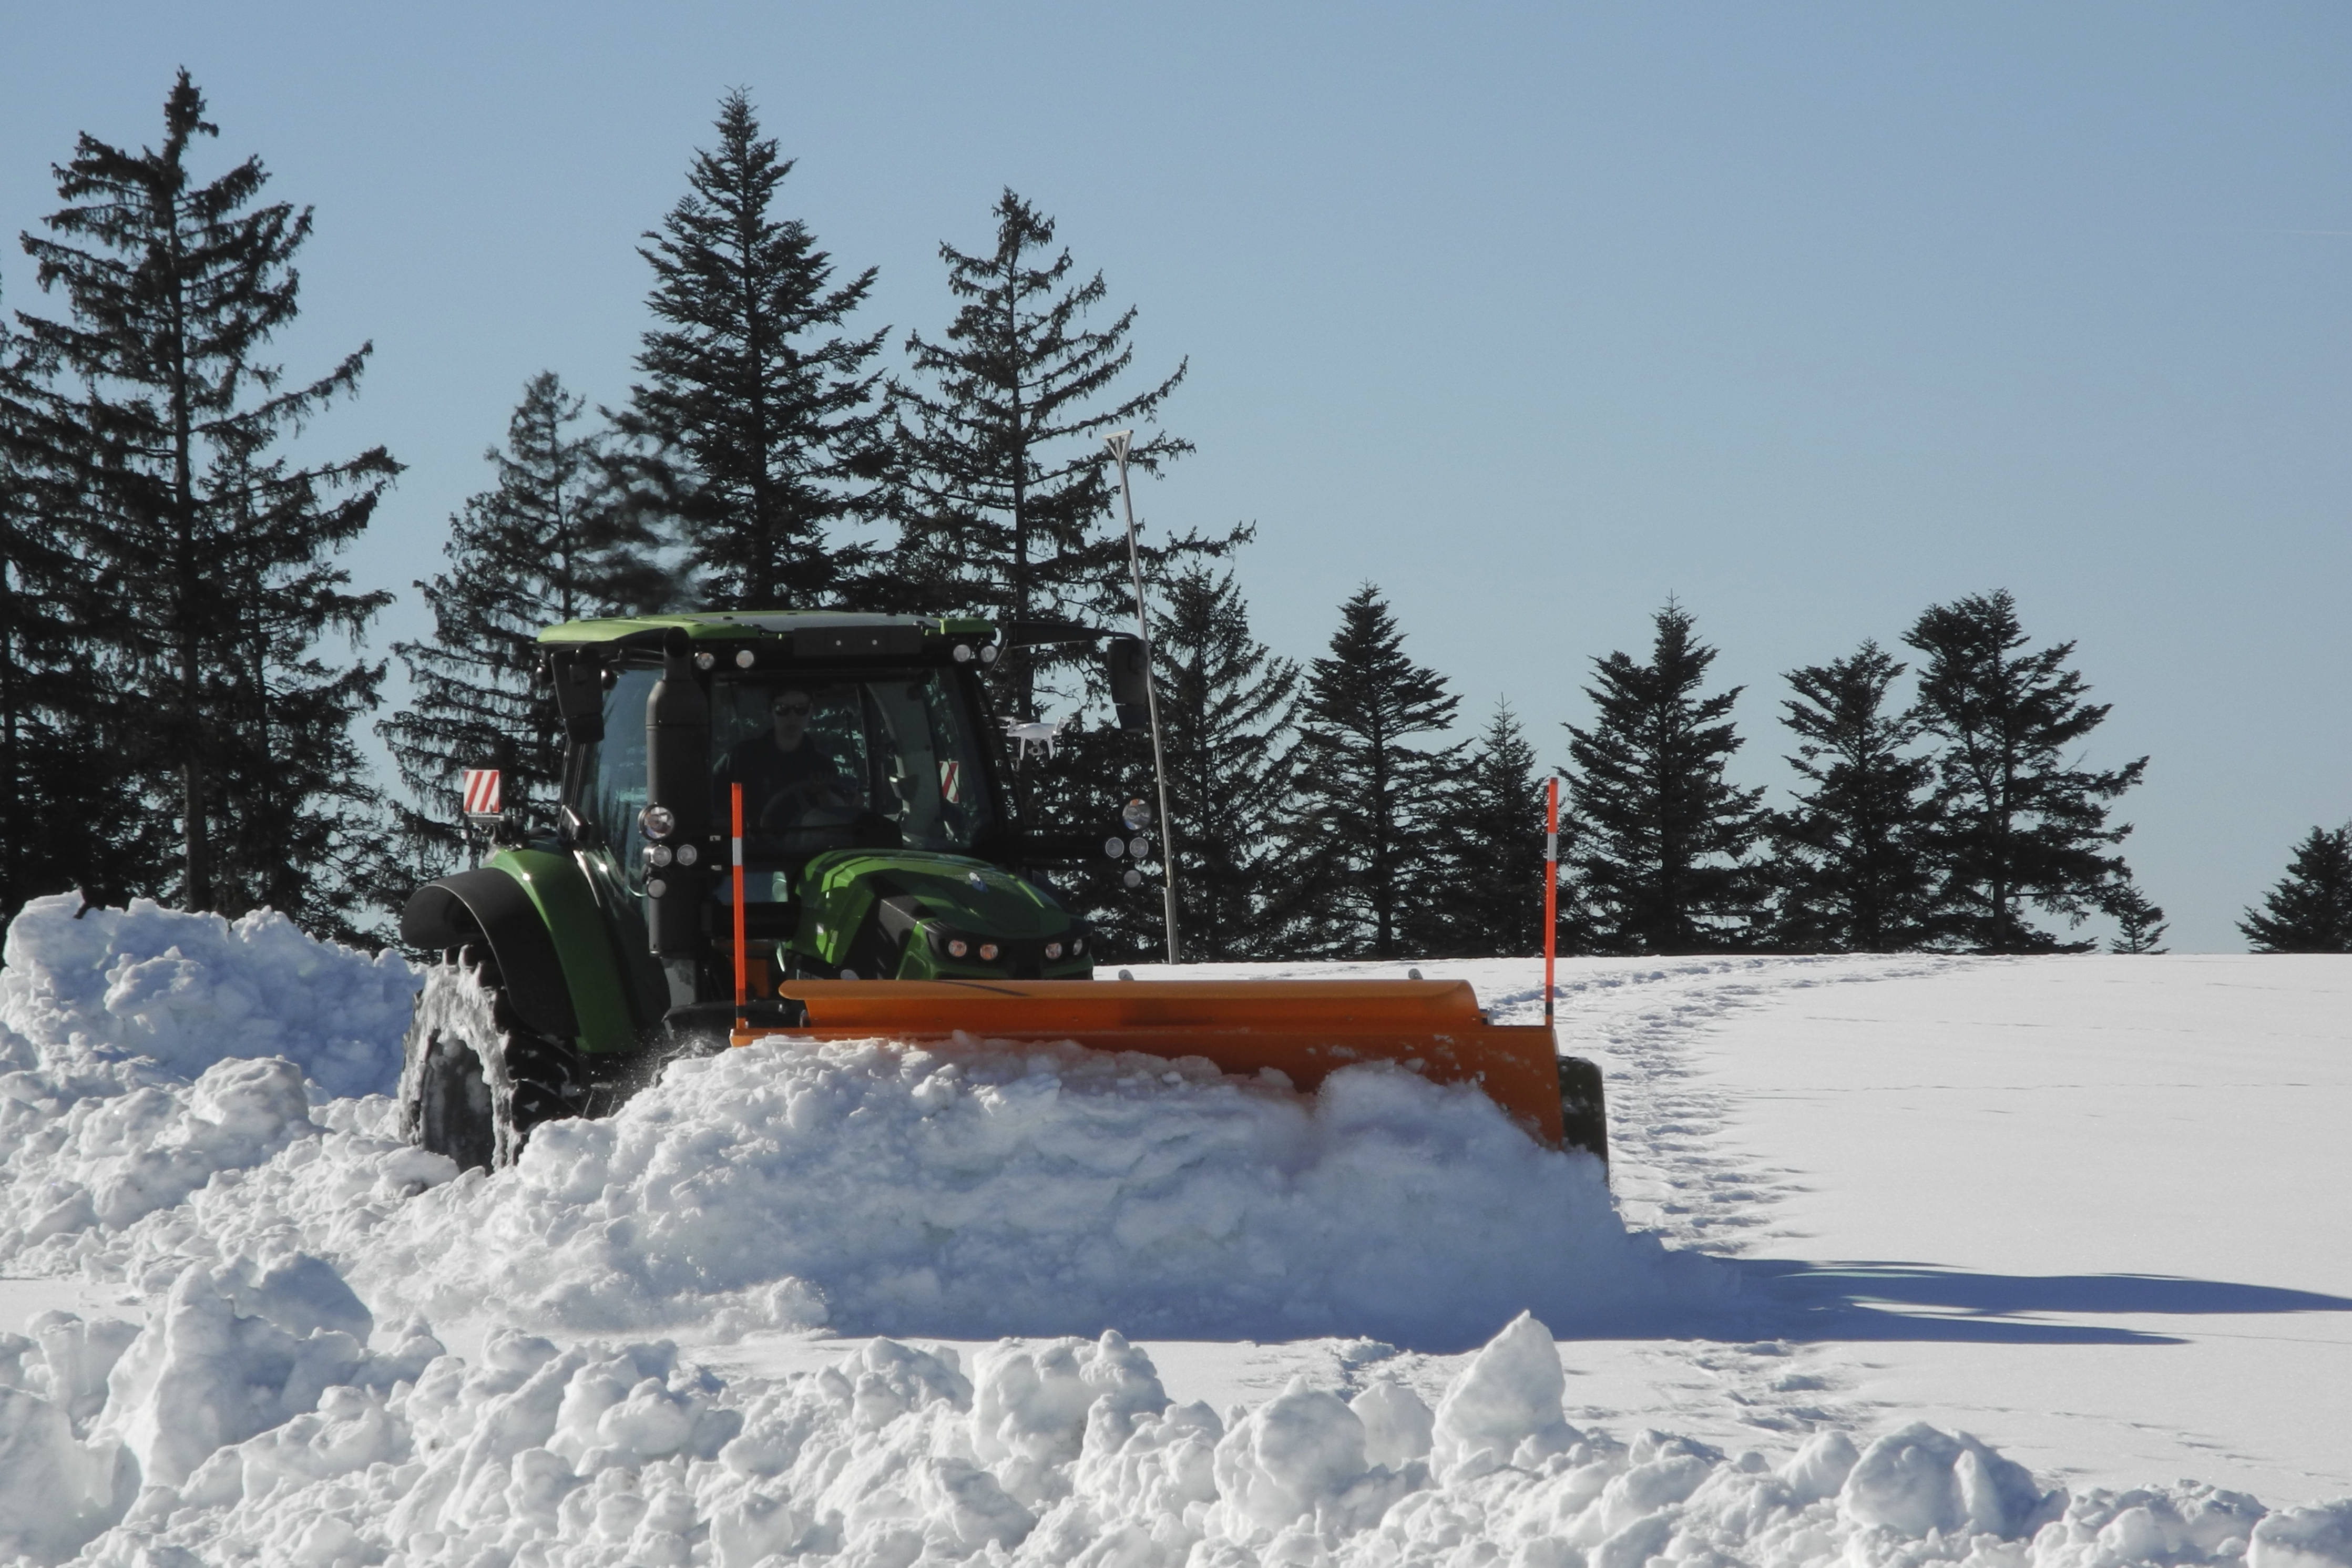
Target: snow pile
[[2304, 1538], [874, 1188], [1065, 1451], [94, 1415], [867, 1187], [143, 1052], [98, 1163], [81, 996], [982, 1191]]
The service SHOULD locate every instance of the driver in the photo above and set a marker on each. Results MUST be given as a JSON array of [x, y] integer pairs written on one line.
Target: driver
[[785, 774]]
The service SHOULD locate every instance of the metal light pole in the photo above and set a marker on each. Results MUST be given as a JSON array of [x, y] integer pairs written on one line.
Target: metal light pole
[[1118, 442]]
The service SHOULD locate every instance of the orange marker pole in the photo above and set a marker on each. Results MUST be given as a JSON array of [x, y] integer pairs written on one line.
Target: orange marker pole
[[736, 792], [1551, 885]]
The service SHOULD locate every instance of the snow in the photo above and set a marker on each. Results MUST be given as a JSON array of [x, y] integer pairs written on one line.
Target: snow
[[2098, 1210], [1065, 1451], [1037, 1192], [1908, 1262], [84, 996]]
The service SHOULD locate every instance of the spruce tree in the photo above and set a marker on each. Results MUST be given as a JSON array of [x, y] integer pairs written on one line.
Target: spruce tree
[[1002, 496], [30, 558], [301, 830], [2310, 910], [1225, 710], [546, 543], [208, 546], [2021, 824], [2139, 921], [72, 809], [1489, 903], [1663, 835], [1855, 861], [1372, 801], [999, 484], [756, 411]]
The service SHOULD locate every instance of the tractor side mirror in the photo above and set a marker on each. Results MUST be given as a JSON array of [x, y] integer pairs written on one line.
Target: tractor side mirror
[[1123, 661]]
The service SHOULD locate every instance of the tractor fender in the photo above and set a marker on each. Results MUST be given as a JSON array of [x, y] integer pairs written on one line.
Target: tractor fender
[[494, 908]]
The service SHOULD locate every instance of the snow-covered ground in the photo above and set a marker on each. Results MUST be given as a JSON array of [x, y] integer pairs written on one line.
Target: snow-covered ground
[[1906, 1260]]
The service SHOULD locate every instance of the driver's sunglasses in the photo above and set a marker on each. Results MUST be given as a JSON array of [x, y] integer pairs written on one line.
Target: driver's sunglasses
[[791, 710]]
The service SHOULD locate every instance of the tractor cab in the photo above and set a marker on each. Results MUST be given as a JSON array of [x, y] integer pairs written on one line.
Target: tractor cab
[[881, 831]]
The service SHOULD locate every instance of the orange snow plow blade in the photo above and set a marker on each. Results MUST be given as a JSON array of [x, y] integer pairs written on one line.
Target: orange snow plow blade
[[1303, 1029]]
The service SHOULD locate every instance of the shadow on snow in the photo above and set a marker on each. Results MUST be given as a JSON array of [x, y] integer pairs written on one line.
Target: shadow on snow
[[1792, 1300]]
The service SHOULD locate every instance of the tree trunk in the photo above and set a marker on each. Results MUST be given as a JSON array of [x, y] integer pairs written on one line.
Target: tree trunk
[[195, 885]]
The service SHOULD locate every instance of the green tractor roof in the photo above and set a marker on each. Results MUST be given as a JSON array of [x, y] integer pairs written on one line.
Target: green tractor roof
[[753, 625]]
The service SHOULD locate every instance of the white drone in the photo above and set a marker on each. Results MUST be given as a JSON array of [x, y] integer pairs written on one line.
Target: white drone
[[1027, 733]]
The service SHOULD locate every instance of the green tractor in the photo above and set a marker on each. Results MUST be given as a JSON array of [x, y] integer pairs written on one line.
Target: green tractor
[[882, 839], [808, 825]]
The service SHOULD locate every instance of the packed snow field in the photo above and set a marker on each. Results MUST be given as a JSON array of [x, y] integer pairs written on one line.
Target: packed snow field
[[716, 1327]]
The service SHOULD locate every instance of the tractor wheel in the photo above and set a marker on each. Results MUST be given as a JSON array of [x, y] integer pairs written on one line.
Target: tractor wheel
[[473, 1081], [1584, 1108]]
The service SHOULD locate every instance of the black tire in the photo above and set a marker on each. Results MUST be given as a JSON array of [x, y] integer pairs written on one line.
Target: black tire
[[1584, 1108], [473, 1081], [449, 1110]]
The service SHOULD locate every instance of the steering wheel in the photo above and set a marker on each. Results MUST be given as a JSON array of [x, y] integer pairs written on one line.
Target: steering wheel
[[805, 803]]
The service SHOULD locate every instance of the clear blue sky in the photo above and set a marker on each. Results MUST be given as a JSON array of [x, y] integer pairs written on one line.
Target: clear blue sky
[[1810, 316]]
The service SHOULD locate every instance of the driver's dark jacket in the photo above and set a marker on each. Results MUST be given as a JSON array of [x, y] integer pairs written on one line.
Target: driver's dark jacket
[[767, 772]]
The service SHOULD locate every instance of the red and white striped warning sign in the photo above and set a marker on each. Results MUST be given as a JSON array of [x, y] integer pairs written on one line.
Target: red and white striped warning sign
[[951, 781], [482, 791]]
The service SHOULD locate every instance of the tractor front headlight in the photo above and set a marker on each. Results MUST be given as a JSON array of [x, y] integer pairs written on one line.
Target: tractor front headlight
[[958, 946], [988, 952], [1053, 950], [657, 822]]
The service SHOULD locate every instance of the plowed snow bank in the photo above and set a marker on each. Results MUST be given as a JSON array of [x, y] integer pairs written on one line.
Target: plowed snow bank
[[870, 1187], [82, 997], [1065, 1451], [984, 1191]]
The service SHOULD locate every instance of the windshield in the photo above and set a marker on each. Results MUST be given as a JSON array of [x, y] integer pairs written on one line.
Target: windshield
[[824, 764], [882, 762]]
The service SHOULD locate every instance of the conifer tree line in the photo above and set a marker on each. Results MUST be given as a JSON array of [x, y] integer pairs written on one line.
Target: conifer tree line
[[183, 680], [1951, 812]]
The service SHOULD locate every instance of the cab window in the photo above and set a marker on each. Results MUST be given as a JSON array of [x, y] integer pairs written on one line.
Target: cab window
[[616, 769], [825, 763]]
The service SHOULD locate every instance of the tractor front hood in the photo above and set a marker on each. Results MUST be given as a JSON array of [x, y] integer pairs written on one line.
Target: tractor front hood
[[902, 913]]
